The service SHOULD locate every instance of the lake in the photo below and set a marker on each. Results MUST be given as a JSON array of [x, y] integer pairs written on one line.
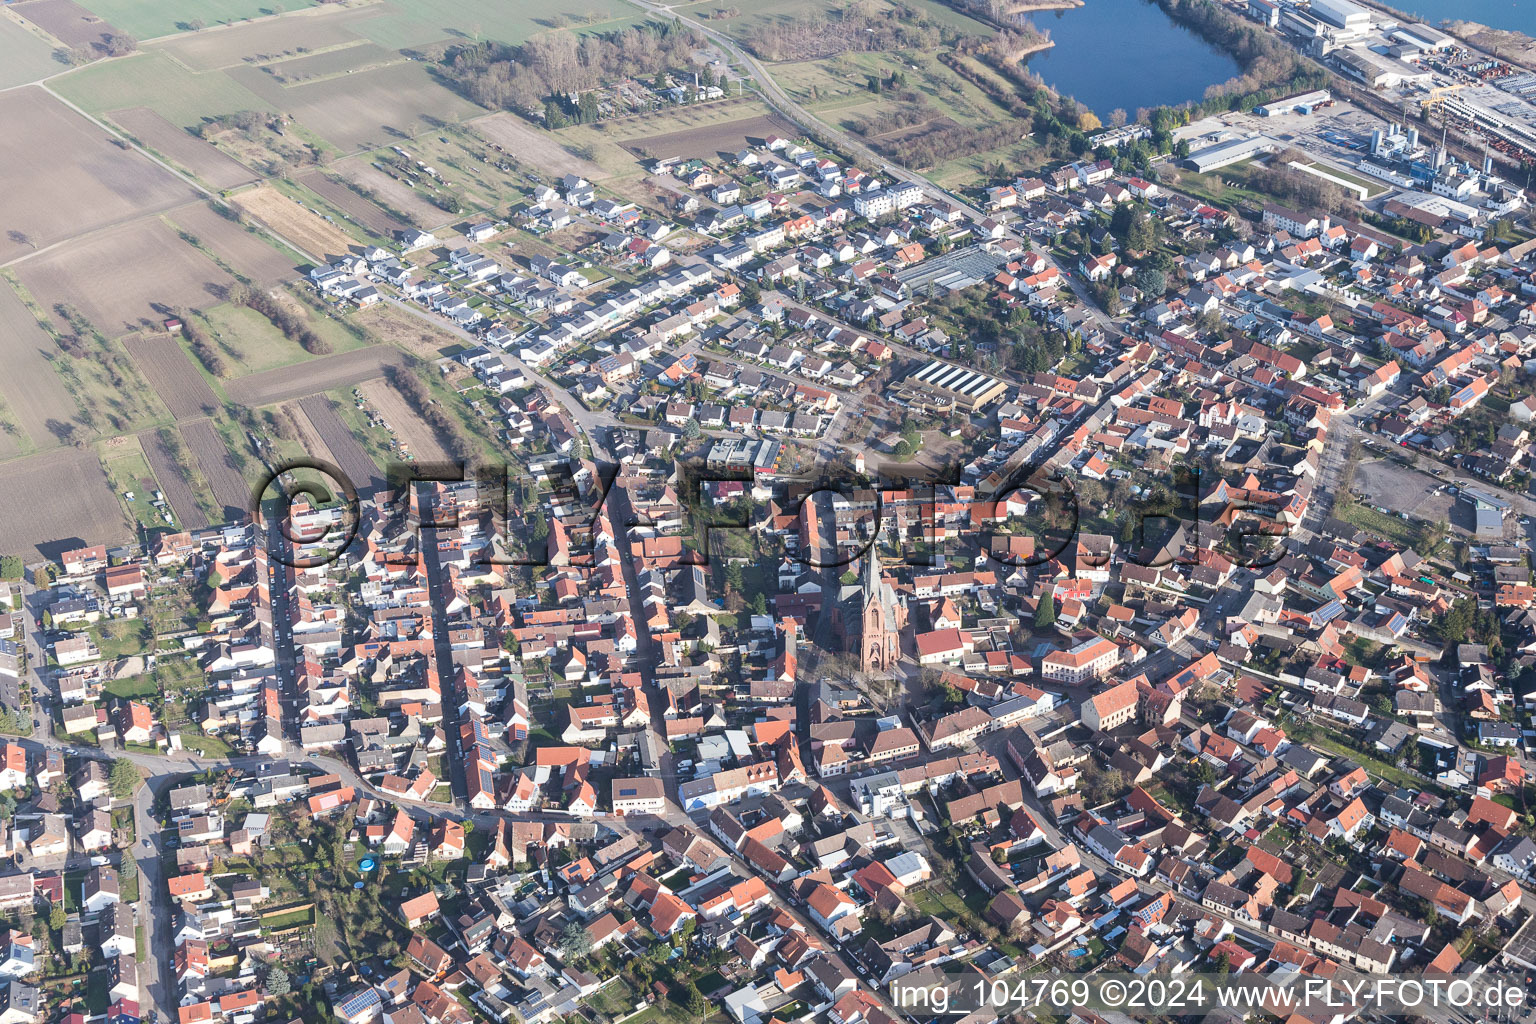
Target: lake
[[1515, 15], [1126, 54]]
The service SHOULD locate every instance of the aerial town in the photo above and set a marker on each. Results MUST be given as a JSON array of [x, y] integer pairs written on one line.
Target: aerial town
[[732, 577]]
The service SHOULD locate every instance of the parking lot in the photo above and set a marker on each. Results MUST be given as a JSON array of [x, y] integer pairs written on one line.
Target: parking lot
[[1388, 484]]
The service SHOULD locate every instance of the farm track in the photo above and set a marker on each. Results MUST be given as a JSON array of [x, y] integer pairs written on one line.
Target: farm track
[[173, 483], [351, 457]]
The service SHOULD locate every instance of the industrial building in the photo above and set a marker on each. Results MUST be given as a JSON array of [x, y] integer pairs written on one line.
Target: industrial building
[[1232, 151], [1377, 71], [1423, 37], [1303, 104], [742, 454], [940, 386], [1342, 14], [953, 271]]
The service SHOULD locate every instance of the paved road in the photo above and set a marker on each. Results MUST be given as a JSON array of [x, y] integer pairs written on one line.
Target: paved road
[[584, 418], [852, 146]]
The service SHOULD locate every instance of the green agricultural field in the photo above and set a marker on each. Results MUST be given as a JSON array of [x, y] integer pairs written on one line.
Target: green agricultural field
[[184, 98], [760, 12], [365, 109], [167, 17], [413, 23], [24, 55], [249, 341]]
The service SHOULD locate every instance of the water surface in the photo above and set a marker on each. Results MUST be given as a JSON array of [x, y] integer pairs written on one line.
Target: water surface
[[1127, 54]]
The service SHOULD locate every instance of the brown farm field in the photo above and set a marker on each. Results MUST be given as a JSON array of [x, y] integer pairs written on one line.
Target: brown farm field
[[65, 20], [173, 481], [340, 60], [414, 432], [418, 335], [230, 487], [370, 215], [60, 500], [309, 438], [170, 372], [289, 382], [393, 192], [69, 179], [269, 39], [534, 147], [34, 393], [290, 219], [351, 457], [711, 138], [208, 164], [118, 276], [266, 261]]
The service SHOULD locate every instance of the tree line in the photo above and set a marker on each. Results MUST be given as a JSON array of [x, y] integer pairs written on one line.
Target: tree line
[[284, 319], [201, 347], [863, 26], [559, 65], [415, 392]]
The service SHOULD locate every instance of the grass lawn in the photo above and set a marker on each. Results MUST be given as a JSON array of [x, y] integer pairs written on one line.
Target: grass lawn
[[133, 687], [97, 993], [129, 472], [1214, 187], [148, 21], [1401, 531], [72, 882], [206, 746], [289, 919], [122, 818], [935, 897], [1374, 766], [121, 638], [1372, 188]]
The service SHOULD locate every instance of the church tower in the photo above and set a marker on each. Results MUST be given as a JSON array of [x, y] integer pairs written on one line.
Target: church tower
[[879, 633]]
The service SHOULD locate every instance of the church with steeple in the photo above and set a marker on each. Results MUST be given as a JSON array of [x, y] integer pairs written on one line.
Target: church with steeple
[[871, 617]]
